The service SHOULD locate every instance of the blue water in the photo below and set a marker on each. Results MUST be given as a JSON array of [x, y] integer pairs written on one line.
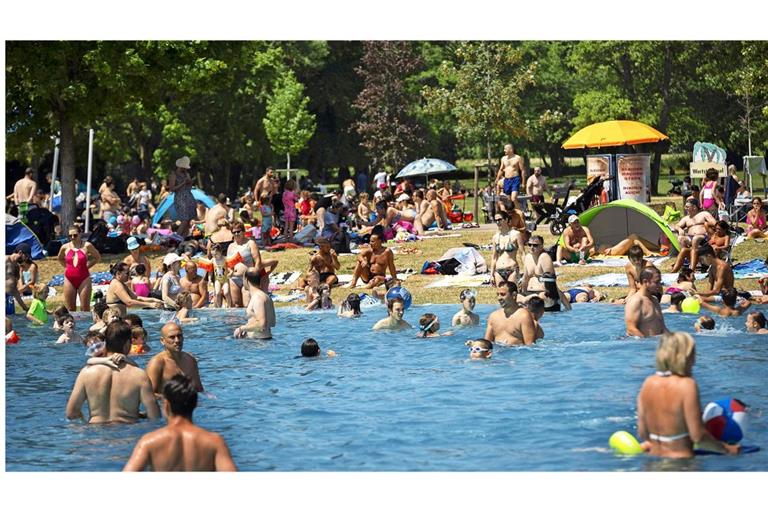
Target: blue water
[[394, 402]]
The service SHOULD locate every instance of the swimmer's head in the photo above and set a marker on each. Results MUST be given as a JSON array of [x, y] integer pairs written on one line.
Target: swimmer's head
[[650, 277], [118, 337], [180, 396], [68, 322], [755, 321], [506, 293], [134, 320], [729, 296], [352, 303], [428, 324], [60, 312], [635, 254], [480, 348], [253, 276], [172, 337], [468, 298], [705, 322], [310, 348], [536, 306], [99, 309], [112, 314], [396, 307], [138, 335], [183, 300], [676, 353], [676, 299], [41, 292]]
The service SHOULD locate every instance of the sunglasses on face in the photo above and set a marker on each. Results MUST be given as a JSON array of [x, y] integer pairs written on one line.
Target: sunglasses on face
[[534, 245], [74, 235], [237, 232]]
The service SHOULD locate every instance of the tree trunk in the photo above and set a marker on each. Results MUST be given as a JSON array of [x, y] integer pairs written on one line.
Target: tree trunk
[[491, 178], [67, 155], [554, 156]]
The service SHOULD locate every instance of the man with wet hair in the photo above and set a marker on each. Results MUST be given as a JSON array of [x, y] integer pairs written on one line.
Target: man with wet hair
[[113, 391], [642, 312], [181, 445], [396, 309]]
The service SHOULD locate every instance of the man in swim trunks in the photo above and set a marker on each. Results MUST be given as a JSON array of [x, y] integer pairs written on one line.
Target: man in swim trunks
[[373, 263], [325, 262], [196, 285], [642, 312], [267, 183], [394, 321], [536, 186], [260, 310], [694, 230], [181, 445], [172, 360], [510, 324], [720, 275], [115, 391], [578, 243], [512, 172]]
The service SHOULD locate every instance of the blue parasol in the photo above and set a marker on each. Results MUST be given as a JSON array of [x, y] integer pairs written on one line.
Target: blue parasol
[[166, 209], [425, 167]]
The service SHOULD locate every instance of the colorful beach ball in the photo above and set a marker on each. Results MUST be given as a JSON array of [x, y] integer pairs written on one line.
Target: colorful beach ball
[[726, 419], [399, 291]]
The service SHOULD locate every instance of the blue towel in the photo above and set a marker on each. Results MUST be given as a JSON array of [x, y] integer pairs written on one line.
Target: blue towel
[[750, 269], [96, 278]]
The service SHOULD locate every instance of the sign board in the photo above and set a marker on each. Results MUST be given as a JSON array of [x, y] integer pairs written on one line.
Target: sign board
[[699, 169], [633, 176], [599, 165]]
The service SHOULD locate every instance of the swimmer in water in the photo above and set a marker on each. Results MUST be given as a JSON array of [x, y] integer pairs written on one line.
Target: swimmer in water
[[511, 324], [466, 316], [180, 445], [260, 310], [396, 310], [675, 303], [184, 304], [172, 360], [668, 408], [310, 348], [480, 348], [350, 307], [69, 335], [756, 323], [642, 312], [429, 327], [729, 307], [704, 323]]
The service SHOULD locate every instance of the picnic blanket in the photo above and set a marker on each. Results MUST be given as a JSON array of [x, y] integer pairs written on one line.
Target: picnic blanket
[[614, 261], [347, 278], [750, 269], [621, 280], [293, 296], [461, 281], [96, 278]]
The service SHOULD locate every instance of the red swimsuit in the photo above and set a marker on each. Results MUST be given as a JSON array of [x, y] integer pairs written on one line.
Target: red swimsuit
[[76, 274]]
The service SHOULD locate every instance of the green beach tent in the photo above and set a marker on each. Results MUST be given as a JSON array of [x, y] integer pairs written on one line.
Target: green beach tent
[[613, 222]]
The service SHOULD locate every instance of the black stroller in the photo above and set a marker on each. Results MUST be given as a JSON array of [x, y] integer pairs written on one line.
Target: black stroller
[[557, 214]]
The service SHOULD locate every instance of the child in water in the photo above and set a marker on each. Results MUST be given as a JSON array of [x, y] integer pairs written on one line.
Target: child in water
[[350, 308], [58, 317], [38, 314], [98, 317], [321, 298], [466, 316], [184, 304], [675, 303], [138, 341], [69, 335], [221, 275], [755, 323], [310, 348], [480, 348], [704, 323], [140, 282], [429, 325]]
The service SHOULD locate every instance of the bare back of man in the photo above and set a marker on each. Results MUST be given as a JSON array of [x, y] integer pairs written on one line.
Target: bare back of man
[[212, 217], [113, 395], [24, 190], [261, 316]]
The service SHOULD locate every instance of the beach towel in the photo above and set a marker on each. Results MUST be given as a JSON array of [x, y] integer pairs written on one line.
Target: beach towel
[[461, 281], [284, 278], [750, 269], [96, 278], [614, 261], [610, 280], [347, 278]]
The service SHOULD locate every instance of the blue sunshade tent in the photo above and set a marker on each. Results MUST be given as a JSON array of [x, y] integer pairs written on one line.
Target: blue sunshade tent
[[16, 232], [166, 208], [425, 167]]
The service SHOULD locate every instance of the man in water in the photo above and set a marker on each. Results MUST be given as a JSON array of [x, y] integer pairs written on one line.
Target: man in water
[[373, 262], [694, 230], [115, 391], [511, 324], [172, 360], [720, 273], [260, 310], [578, 243], [396, 309], [325, 262], [181, 445], [642, 312], [512, 172]]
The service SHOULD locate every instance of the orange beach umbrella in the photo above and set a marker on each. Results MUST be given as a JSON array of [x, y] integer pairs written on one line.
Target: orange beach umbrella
[[613, 133]]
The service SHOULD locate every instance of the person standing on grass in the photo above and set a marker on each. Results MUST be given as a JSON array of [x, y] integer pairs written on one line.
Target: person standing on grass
[[511, 173]]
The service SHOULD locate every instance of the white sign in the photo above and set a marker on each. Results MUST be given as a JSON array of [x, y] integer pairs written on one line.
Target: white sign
[[634, 172], [599, 165], [699, 169]]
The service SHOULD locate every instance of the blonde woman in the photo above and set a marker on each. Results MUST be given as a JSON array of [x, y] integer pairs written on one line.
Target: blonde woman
[[668, 407]]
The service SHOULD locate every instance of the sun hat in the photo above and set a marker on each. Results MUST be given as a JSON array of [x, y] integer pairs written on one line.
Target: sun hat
[[403, 197], [171, 258], [132, 243], [183, 162], [572, 219]]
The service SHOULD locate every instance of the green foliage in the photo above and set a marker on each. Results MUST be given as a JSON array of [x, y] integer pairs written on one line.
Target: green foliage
[[288, 123]]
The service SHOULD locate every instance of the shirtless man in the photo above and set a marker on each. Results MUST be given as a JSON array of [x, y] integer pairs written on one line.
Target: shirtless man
[[730, 307], [172, 361], [133, 188], [694, 230], [325, 262], [720, 275], [511, 324], [394, 321], [642, 312], [373, 263], [24, 189], [114, 392], [180, 446], [634, 266], [512, 172], [196, 285], [431, 210], [260, 310], [266, 184], [578, 242], [536, 186], [212, 216]]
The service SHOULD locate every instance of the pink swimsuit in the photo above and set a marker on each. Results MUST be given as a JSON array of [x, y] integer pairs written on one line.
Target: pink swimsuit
[[76, 274]]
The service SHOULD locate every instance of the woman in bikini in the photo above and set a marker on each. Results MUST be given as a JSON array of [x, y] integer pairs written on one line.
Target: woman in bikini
[[505, 241], [756, 220], [247, 252], [668, 408], [120, 294], [77, 257]]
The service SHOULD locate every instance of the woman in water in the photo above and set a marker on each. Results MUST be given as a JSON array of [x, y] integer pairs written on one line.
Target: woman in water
[[121, 296], [170, 283], [756, 220], [77, 257], [506, 242], [668, 408]]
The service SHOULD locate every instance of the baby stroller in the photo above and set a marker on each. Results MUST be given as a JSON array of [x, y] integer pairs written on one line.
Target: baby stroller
[[557, 215]]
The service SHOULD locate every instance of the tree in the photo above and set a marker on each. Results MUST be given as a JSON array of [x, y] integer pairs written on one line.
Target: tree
[[389, 131], [288, 123], [481, 87]]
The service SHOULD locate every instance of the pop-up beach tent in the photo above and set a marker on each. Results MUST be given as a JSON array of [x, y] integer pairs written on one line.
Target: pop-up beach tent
[[166, 208], [613, 222], [16, 232]]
